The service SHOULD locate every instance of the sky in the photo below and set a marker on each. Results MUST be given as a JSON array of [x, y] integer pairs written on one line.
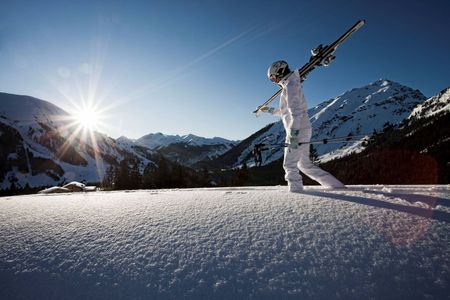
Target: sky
[[198, 66]]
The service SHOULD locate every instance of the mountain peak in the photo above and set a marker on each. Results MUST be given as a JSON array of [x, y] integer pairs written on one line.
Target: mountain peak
[[383, 82], [361, 110]]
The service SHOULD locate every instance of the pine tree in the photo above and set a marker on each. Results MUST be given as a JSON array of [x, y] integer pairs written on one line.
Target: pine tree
[[109, 181], [123, 175], [162, 174], [242, 176], [135, 178], [148, 178], [313, 155]]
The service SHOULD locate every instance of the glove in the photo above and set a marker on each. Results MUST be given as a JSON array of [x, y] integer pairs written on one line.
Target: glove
[[269, 110], [294, 138]]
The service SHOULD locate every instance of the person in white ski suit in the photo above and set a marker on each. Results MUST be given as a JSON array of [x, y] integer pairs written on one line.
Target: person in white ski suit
[[293, 111]]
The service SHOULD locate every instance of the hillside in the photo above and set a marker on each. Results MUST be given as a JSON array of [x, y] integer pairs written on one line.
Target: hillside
[[417, 151]]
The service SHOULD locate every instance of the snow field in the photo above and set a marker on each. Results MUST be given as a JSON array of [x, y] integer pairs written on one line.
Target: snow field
[[243, 243]]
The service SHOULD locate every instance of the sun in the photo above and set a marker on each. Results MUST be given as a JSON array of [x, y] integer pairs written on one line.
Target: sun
[[87, 118]]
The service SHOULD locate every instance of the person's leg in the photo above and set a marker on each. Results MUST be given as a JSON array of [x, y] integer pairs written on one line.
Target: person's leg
[[314, 172], [292, 175]]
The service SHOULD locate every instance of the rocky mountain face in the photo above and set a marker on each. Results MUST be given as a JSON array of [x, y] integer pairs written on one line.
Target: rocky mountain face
[[435, 105], [415, 152]]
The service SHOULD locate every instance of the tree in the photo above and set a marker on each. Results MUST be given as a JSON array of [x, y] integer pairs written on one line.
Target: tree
[[109, 181], [134, 176], [242, 176], [313, 155], [162, 174], [148, 178], [123, 175]]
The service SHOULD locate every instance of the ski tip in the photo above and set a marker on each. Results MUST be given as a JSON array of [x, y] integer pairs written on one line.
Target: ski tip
[[359, 24]]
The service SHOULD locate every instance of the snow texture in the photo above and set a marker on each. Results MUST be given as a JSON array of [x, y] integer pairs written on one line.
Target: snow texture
[[365, 242]]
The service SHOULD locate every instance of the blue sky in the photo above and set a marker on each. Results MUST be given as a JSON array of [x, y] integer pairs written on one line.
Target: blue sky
[[198, 66]]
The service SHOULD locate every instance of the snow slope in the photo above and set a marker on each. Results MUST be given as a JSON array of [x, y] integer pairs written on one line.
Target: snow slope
[[374, 242], [434, 105]]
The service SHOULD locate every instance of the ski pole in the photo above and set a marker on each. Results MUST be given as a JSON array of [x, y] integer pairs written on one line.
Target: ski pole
[[321, 141]]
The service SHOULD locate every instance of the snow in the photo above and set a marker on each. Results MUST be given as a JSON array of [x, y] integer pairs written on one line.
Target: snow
[[28, 109], [379, 242], [432, 106], [345, 150]]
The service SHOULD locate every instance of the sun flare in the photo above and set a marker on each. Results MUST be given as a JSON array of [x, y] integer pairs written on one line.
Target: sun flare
[[88, 118]]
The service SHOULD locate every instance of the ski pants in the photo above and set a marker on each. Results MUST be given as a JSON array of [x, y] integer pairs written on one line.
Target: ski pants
[[295, 159]]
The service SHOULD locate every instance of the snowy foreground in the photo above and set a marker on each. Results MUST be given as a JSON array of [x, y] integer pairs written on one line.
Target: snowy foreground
[[367, 242]]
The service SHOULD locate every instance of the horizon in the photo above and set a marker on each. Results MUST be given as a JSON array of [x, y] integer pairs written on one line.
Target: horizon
[[199, 67]]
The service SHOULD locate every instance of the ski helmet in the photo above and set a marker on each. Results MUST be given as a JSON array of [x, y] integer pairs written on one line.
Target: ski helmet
[[279, 69]]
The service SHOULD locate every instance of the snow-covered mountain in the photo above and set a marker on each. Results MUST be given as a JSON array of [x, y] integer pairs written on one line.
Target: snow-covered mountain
[[414, 152], [186, 149], [160, 140], [432, 106], [40, 145], [356, 112]]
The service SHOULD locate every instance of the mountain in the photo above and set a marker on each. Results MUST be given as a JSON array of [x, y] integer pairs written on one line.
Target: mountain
[[415, 152], [432, 106], [159, 140], [187, 149], [40, 145], [356, 112]]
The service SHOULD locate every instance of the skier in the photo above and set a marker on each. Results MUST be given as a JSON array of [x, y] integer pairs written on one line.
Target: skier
[[257, 154], [293, 111]]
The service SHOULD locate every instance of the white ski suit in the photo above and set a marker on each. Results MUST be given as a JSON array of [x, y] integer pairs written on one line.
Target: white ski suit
[[293, 111]]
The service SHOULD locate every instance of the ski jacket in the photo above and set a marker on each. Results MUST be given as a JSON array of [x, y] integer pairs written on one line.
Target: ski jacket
[[293, 108]]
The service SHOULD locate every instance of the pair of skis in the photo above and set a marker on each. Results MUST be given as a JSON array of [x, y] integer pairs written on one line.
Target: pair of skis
[[321, 56]]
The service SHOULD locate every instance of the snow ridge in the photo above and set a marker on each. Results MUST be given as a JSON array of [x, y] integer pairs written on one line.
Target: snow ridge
[[432, 106]]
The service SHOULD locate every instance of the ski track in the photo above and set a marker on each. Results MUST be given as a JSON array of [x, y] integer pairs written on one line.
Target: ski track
[[382, 242]]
